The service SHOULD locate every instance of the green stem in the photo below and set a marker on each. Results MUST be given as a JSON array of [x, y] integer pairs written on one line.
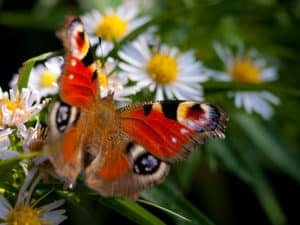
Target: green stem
[[216, 86]]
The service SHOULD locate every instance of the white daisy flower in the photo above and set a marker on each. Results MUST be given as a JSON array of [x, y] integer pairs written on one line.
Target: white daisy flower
[[112, 25], [43, 77], [34, 140], [163, 69], [248, 67], [26, 210], [17, 108], [5, 152]]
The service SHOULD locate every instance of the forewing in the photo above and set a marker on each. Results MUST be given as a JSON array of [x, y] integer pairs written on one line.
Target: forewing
[[170, 129], [78, 83]]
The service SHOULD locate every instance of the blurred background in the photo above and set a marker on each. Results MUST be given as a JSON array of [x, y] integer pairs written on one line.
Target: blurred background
[[253, 177]]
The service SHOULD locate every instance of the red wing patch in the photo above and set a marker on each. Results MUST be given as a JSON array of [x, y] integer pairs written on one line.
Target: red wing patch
[[114, 169], [78, 83], [171, 129]]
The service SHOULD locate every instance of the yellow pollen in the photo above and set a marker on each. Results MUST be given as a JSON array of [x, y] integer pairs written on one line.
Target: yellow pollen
[[103, 81], [13, 105], [24, 215], [162, 68], [245, 71], [112, 27], [48, 79]]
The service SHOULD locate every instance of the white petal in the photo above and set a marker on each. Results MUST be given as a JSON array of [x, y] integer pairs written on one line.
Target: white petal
[[133, 74], [159, 93], [22, 192], [142, 47], [137, 23], [270, 97], [52, 205], [248, 102], [263, 108], [224, 53], [8, 154], [103, 49], [55, 217], [5, 207], [269, 74], [238, 100], [133, 60], [168, 92]]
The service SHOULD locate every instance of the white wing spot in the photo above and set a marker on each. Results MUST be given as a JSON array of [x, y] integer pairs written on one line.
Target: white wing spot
[[191, 124], [184, 131], [71, 76], [174, 140], [202, 122], [73, 62]]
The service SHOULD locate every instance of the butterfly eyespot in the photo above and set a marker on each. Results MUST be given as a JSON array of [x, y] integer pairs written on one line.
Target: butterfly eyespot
[[62, 116], [146, 164]]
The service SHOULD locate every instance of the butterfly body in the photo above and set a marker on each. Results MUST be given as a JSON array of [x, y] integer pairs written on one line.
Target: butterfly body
[[120, 152]]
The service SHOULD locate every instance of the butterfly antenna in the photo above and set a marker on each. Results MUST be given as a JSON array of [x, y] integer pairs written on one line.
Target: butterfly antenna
[[101, 50]]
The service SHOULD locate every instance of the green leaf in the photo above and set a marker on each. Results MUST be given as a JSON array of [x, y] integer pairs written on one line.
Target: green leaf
[[268, 146], [229, 158], [168, 196], [252, 160], [132, 211], [189, 167], [168, 211], [217, 86], [267, 199], [27, 67], [8, 162]]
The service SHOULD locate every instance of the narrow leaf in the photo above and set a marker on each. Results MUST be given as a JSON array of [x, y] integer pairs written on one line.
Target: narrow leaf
[[268, 200], [229, 159], [168, 196], [8, 162], [267, 144], [132, 211], [216, 86], [27, 67], [168, 211]]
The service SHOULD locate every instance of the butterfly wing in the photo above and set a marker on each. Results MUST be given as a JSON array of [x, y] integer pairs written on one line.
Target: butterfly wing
[[148, 138], [126, 170], [120, 152], [65, 140], [78, 83], [78, 92], [170, 129]]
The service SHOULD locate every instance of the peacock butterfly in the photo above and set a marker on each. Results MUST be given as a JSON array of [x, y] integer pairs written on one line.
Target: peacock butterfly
[[119, 152]]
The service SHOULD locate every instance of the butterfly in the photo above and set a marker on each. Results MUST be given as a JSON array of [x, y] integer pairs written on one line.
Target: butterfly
[[119, 152]]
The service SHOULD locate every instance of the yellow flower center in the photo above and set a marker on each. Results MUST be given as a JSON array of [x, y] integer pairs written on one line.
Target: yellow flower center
[[102, 79], [10, 105], [48, 79], [13, 105], [112, 27], [24, 215], [245, 71], [162, 68]]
